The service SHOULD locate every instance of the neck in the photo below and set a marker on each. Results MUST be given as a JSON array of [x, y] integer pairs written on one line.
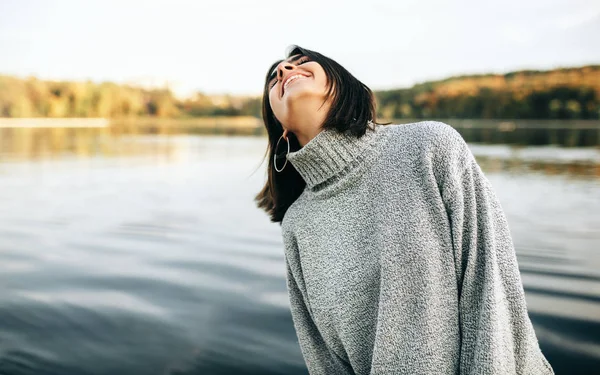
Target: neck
[[306, 120], [306, 135]]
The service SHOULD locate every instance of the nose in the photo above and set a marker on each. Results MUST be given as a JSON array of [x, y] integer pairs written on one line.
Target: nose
[[284, 66]]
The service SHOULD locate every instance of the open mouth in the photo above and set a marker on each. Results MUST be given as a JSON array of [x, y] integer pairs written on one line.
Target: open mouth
[[292, 80]]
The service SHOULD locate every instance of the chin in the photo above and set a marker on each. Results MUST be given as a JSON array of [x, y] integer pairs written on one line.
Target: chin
[[299, 95], [298, 102]]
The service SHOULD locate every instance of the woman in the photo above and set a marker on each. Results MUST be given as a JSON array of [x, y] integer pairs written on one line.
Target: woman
[[398, 254]]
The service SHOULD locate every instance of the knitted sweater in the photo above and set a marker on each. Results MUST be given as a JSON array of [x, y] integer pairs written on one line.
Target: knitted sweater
[[400, 261]]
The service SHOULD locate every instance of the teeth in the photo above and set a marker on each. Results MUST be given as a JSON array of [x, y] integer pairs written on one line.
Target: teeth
[[291, 79]]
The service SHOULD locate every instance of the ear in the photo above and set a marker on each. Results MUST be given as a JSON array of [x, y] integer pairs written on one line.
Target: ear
[[285, 134]]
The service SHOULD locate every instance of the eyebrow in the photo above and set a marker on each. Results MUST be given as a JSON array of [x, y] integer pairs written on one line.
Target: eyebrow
[[293, 59]]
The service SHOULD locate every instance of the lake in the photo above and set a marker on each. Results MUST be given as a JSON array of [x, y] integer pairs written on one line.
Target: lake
[[146, 254]]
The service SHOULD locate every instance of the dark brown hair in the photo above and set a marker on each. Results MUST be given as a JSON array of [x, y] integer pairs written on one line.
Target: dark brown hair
[[352, 106]]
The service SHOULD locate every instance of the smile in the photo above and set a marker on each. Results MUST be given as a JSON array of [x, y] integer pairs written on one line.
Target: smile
[[291, 79]]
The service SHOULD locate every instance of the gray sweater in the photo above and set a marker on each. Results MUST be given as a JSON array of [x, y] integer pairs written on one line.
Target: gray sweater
[[400, 260]]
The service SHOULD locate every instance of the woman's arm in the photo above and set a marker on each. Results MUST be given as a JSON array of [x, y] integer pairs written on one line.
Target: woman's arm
[[497, 336], [319, 358]]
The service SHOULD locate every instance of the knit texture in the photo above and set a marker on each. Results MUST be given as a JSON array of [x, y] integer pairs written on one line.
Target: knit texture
[[400, 260]]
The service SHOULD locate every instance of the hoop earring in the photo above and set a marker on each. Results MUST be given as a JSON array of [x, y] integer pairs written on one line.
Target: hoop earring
[[275, 154]]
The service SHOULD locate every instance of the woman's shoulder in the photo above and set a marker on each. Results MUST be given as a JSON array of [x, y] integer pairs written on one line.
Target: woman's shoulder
[[426, 134], [434, 144]]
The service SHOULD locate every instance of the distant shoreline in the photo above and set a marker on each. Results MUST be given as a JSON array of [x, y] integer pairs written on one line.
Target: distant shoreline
[[570, 133], [48, 122], [250, 122]]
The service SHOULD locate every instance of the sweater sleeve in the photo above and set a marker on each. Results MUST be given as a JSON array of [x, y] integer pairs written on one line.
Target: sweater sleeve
[[497, 336], [319, 358]]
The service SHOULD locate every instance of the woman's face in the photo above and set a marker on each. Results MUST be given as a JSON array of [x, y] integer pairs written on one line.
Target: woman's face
[[297, 91]]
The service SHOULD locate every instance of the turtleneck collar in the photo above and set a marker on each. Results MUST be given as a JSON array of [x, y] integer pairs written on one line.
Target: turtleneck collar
[[330, 153]]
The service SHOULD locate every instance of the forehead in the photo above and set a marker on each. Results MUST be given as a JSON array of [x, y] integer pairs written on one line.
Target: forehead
[[290, 59]]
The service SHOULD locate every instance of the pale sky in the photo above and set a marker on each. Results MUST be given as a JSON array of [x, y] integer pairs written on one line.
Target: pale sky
[[226, 46]]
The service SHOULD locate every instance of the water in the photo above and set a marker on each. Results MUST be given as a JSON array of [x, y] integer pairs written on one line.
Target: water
[[146, 255]]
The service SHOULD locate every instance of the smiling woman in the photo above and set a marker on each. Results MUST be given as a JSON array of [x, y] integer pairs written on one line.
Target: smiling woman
[[323, 96], [399, 259]]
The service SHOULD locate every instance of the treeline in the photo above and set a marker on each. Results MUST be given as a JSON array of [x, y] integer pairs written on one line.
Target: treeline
[[570, 93], [37, 98]]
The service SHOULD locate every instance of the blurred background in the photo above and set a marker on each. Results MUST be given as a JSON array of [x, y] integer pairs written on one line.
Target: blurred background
[[131, 148]]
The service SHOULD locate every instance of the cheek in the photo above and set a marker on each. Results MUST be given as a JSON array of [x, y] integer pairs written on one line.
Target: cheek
[[325, 82], [274, 102], [321, 82]]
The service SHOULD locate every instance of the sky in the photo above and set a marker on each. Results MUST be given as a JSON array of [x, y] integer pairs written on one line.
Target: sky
[[227, 46]]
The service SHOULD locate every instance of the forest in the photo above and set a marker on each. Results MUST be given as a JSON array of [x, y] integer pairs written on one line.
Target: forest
[[566, 93]]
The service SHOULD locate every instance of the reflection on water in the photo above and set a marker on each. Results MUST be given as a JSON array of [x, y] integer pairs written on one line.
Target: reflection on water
[[46, 143], [145, 254]]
